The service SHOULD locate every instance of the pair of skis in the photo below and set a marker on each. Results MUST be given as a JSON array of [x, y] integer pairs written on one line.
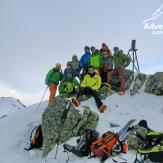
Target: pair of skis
[[123, 133]]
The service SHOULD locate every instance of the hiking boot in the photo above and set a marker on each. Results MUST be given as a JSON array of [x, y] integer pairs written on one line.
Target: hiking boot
[[75, 102], [121, 93], [102, 108]]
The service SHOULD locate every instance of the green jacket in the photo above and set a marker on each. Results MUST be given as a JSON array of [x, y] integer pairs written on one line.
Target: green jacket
[[120, 60], [53, 76], [96, 60], [67, 86]]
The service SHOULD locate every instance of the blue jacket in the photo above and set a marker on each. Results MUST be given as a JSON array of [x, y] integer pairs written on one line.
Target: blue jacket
[[85, 60]]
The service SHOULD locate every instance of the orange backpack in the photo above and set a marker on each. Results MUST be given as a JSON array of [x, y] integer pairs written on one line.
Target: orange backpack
[[107, 144]]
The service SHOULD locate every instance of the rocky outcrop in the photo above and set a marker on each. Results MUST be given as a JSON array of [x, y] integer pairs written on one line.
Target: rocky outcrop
[[128, 75], [138, 83], [154, 84]]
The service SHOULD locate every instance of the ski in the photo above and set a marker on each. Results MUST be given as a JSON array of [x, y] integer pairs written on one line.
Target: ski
[[125, 128]]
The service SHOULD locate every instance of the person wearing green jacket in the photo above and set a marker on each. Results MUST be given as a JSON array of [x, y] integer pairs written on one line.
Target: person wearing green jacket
[[96, 59], [90, 86], [120, 61], [67, 85], [52, 80]]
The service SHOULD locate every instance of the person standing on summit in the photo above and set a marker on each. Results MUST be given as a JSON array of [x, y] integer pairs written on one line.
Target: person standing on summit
[[85, 61], [96, 59], [120, 61], [104, 47], [52, 80]]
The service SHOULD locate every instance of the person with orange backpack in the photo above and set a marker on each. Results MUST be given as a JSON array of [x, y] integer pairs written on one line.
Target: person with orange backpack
[[105, 48], [52, 80], [90, 86]]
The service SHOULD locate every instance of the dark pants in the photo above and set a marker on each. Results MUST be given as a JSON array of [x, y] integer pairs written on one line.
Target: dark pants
[[104, 75], [89, 91]]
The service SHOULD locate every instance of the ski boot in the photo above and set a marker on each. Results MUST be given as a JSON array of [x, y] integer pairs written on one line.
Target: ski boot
[[102, 108], [75, 102]]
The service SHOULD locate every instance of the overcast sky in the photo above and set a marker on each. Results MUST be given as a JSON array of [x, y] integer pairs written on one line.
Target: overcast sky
[[35, 34]]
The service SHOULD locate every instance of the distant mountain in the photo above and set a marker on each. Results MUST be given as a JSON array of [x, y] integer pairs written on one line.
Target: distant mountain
[[9, 105]]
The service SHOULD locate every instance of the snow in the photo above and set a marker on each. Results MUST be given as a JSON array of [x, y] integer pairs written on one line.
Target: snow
[[15, 128], [9, 105]]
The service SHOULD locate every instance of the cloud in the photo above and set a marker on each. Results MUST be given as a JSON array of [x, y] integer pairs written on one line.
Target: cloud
[[25, 98]]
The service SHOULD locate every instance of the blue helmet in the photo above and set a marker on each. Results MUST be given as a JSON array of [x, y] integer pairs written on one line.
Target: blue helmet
[[116, 49]]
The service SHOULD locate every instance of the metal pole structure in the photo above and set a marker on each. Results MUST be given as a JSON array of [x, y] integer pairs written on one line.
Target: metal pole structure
[[42, 98], [133, 56]]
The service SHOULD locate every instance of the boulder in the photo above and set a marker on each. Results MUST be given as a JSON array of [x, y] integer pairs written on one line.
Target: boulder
[[138, 83], [154, 84], [61, 121], [128, 76]]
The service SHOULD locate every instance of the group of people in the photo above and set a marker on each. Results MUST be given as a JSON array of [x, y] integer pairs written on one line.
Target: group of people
[[94, 68]]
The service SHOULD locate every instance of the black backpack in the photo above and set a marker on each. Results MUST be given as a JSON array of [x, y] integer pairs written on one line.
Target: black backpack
[[153, 145], [36, 140], [83, 147]]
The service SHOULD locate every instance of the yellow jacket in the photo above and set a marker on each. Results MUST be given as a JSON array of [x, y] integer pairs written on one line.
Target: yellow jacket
[[92, 82]]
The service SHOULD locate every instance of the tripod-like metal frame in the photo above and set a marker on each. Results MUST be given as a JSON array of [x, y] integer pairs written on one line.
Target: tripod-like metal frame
[[135, 64]]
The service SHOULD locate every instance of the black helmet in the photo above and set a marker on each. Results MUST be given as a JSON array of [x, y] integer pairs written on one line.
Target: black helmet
[[86, 47], [143, 123], [68, 63]]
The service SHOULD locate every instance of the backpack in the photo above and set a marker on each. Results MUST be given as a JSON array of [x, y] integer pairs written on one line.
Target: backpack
[[153, 147], [83, 144], [36, 140], [107, 145]]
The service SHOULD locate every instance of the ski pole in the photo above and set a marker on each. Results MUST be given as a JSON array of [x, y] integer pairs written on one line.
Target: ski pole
[[42, 98]]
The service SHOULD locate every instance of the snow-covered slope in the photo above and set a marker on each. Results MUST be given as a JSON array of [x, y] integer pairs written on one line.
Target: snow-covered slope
[[15, 129], [9, 105]]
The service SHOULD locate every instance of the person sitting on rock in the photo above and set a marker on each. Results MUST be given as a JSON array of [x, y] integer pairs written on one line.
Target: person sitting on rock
[[68, 85], [90, 86], [96, 59], [52, 80], [68, 69], [75, 66], [120, 62]]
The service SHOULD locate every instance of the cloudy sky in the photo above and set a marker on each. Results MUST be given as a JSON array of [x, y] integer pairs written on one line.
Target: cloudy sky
[[35, 34]]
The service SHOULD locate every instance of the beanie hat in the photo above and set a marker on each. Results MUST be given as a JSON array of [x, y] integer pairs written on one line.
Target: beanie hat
[[116, 49], [86, 47], [68, 63], [74, 56], [58, 65], [104, 44]]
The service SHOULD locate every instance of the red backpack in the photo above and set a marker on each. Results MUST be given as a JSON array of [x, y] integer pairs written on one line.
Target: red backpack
[[107, 144]]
